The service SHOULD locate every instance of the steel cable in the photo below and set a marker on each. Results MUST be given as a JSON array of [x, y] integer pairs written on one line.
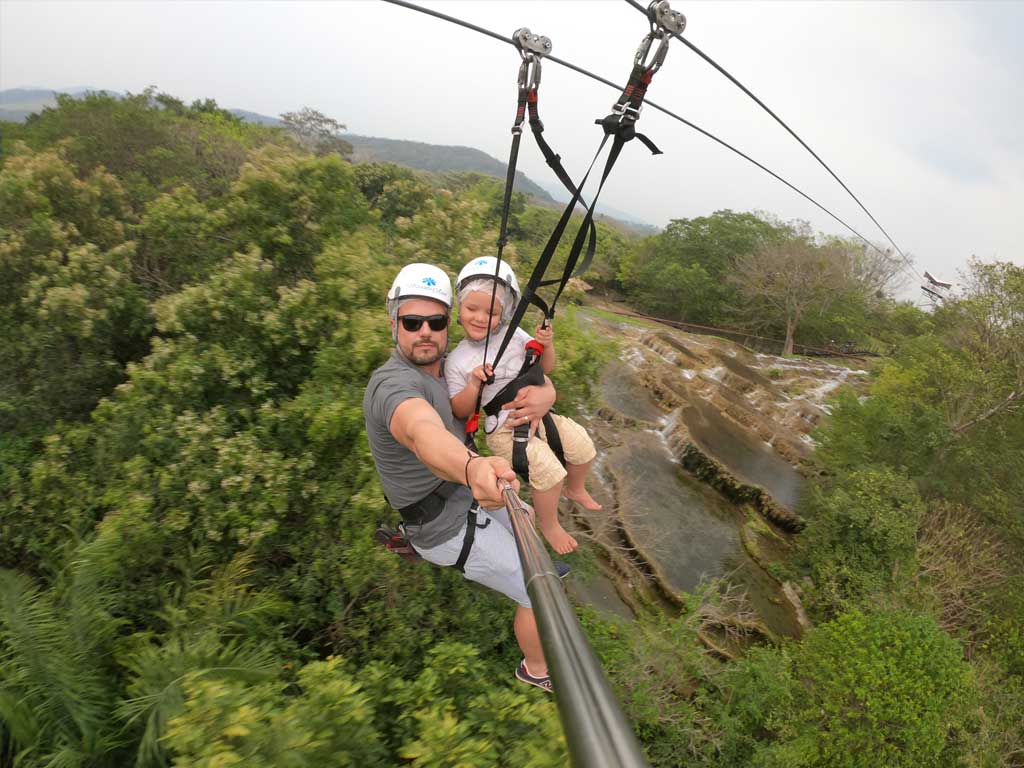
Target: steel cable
[[648, 102], [782, 122]]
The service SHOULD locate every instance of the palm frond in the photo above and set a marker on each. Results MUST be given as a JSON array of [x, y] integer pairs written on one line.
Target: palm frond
[[228, 603], [18, 720], [54, 662], [160, 673]]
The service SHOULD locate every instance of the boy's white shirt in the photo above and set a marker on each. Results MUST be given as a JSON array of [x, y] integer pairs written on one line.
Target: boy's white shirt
[[459, 365]]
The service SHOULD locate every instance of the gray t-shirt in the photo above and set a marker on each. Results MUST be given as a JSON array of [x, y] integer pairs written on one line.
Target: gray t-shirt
[[404, 477]]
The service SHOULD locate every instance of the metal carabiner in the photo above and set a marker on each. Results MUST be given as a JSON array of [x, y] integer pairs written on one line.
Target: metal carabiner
[[664, 23], [529, 72]]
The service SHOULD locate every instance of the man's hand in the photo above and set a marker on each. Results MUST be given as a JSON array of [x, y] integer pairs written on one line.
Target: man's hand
[[487, 476], [531, 404]]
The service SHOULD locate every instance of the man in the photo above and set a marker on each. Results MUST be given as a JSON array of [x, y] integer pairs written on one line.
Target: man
[[425, 468]]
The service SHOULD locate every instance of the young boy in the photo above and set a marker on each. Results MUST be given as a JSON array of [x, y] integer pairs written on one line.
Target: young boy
[[466, 374]]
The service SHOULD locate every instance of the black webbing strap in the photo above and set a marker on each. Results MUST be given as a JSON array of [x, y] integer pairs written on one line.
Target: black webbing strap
[[510, 179], [510, 176], [430, 506], [530, 291], [521, 440], [554, 161], [520, 461], [467, 540], [621, 124], [554, 438], [530, 374]]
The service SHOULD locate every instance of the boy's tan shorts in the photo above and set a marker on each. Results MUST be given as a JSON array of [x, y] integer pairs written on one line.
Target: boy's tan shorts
[[545, 469]]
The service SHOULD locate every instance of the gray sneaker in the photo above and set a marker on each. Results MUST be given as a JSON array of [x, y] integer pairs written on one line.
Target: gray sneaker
[[544, 683]]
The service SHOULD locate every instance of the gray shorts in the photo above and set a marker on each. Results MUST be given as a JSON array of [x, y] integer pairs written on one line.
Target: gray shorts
[[493, 560]]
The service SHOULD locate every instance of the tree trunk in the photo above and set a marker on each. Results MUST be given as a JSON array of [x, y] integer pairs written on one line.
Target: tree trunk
[[787, 348], [1013, 396]]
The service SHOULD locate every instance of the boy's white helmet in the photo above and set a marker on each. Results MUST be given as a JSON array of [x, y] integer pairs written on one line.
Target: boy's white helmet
[[478, 275], [484, 267], [421, 281]]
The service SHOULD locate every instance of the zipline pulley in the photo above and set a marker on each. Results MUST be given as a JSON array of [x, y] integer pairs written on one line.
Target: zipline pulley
[[528, 43], [661, 15]]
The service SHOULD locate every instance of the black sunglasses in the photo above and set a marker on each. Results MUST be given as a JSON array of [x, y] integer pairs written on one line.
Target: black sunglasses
[[412, 323]]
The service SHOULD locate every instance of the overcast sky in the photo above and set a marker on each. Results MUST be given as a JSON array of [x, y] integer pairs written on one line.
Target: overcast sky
[[917, 106]]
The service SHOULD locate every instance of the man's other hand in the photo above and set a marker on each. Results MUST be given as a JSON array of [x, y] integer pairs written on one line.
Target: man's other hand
[[531, 404]]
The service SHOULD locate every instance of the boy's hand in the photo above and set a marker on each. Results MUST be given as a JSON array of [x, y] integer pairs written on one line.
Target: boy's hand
[[482, 373], [544, 334]]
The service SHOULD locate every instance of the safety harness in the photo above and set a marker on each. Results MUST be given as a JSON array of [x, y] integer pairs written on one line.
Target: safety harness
[[530, 373], [620, 126], [425, 510], [532, 48]]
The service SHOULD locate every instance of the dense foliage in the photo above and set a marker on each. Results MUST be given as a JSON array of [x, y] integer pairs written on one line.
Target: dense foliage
[[910, 565], [187, 501], [777, 279], [189, 310]]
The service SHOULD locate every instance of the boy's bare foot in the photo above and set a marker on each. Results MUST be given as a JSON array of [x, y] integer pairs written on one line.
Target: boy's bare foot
[[559, 540], [584, 499]]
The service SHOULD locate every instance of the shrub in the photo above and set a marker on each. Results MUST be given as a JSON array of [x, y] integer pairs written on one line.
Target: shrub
[[860, 536]]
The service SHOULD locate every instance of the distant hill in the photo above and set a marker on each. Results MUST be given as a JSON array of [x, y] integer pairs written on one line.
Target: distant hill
[[256, 117], [437, 158], [17, 103], [625, 221], [44, 96], [440, 158]]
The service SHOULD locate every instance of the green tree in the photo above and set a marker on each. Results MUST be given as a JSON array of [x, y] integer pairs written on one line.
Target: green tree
[[885, 689], [449, 714], [57, 690], [860, 537], [682, 272], [987, 324], [784, 282], [394, 191], [316, 132], [861, 691], [151, 142], [70, 312]]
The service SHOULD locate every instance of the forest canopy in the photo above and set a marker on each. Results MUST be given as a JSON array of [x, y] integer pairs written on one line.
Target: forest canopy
[[190, 307]]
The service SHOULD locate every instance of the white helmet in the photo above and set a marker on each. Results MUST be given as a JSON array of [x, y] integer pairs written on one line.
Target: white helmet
[[482, 268], [421, 281], [418, 281]]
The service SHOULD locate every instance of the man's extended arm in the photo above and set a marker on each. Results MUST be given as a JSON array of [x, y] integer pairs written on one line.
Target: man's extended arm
[[417, 426]]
